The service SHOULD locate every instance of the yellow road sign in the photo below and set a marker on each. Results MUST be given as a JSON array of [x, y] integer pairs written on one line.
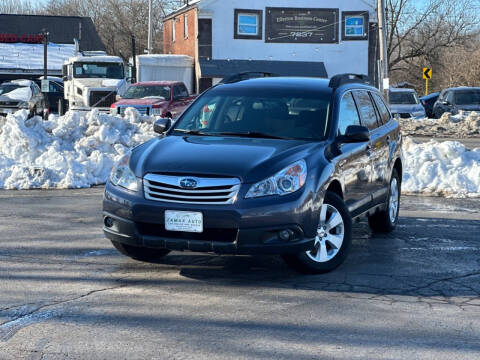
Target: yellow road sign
[[427, 73]]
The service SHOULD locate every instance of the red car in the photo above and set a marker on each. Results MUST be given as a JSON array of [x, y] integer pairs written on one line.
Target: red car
[[162, 98]]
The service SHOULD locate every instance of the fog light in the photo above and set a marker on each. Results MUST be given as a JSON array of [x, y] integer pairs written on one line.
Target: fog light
[[285, 234], [108, 221]]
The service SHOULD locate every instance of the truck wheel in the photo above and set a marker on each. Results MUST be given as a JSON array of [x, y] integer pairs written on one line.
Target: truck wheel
[[61, 107], [140, 253], [333, 240], [386, 220]]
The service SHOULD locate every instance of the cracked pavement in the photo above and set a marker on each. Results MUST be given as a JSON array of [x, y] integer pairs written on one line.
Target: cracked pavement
[[66, 293]]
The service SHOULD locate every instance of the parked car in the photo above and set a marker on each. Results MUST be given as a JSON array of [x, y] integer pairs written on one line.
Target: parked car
[[21, 94], [162, 98], [55, 94], [281, 166], [453, 100], [428, 101], [405, 104]]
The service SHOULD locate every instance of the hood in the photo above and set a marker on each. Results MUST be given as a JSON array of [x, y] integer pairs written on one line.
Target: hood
[[20, 94], [474, 107], [408, 108], [98, 83], [251, 160], [133, 102]]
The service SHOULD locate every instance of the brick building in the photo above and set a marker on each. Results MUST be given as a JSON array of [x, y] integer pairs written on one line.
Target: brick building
[[313, 38]]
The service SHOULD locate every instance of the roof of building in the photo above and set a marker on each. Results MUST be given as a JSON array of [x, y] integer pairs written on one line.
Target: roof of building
[[191, 4], [62, 29]]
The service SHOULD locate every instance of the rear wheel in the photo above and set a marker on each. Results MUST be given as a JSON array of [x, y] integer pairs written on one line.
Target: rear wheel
[[140, 253], [333, 240], [386, 220]]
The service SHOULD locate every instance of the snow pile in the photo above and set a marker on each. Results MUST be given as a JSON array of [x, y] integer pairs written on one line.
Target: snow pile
[[22, 94], [441, 168], [72, 151], [30, 56], [462, 125]]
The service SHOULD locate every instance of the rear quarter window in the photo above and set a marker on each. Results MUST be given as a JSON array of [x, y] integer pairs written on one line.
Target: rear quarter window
[[381, 107]]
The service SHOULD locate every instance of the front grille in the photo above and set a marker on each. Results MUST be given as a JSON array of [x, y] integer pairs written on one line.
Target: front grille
[[102, 98], [9, 104], [212, 191], [143, 110], [208, 234]]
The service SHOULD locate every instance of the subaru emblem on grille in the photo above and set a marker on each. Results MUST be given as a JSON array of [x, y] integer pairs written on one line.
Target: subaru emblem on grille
[[188, 183]]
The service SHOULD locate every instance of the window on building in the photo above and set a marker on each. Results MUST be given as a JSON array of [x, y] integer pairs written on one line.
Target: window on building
[[173, 29], [355, 25], [185, 26], [248, 24]]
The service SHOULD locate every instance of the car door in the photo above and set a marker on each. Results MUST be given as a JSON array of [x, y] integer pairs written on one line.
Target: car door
[[384, 139], [368, 118], [353, 161]]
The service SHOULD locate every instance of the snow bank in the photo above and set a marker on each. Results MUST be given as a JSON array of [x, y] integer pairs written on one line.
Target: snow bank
[[22, 94], [79, 149], [441, 168], [72, 151], [464, 124]]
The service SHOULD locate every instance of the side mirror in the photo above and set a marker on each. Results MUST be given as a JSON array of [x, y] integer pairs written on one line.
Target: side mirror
[[65, 78], [162, 125], [118, 98], [357, 133]]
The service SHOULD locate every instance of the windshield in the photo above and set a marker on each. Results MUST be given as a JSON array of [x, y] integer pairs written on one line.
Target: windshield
[[144, 91], [98, 70], [467, 97], [403, 98], [7, 88], [286, 117]]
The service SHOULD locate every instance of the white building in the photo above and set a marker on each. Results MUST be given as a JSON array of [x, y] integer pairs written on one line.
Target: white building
[[302, 37]]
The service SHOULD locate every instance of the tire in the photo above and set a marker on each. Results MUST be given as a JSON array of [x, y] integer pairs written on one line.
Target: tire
[[386, 220], [332, 245], [140, 253]]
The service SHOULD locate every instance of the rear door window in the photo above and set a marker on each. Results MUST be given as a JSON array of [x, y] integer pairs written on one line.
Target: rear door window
[[368, 115], [348, 114]]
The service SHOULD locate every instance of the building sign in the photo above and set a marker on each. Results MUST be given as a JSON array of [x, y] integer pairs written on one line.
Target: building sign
[[23, 38], [292, 25], [355, 25]]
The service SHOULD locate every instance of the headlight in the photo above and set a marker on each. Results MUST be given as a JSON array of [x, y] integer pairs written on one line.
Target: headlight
[[123, 176], [287, 181], [23, 105]]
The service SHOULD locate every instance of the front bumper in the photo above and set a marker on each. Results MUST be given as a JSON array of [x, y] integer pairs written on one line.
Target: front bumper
[[249, 227]]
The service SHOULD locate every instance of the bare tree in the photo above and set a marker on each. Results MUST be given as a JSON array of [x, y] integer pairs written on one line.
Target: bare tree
[[424, 32], [17, 7], [118, 20]]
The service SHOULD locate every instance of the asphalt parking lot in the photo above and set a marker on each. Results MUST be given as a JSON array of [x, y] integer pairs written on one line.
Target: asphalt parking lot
[[67, 294]]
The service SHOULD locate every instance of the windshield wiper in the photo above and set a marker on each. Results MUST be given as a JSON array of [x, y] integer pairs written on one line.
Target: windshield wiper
[[192, 132], [252, 134]]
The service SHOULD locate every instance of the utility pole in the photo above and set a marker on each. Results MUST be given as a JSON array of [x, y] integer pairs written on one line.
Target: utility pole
[[45, 72], [150, 29], [385, 81]]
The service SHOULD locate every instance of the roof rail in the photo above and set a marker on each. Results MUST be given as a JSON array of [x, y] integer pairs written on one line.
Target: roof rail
[[341, 79], [245, 76]]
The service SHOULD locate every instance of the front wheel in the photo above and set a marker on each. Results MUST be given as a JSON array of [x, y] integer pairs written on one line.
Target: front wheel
[[140, 253], [333, 240]]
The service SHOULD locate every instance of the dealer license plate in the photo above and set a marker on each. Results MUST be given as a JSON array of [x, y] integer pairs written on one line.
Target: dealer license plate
[[184, 221]]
